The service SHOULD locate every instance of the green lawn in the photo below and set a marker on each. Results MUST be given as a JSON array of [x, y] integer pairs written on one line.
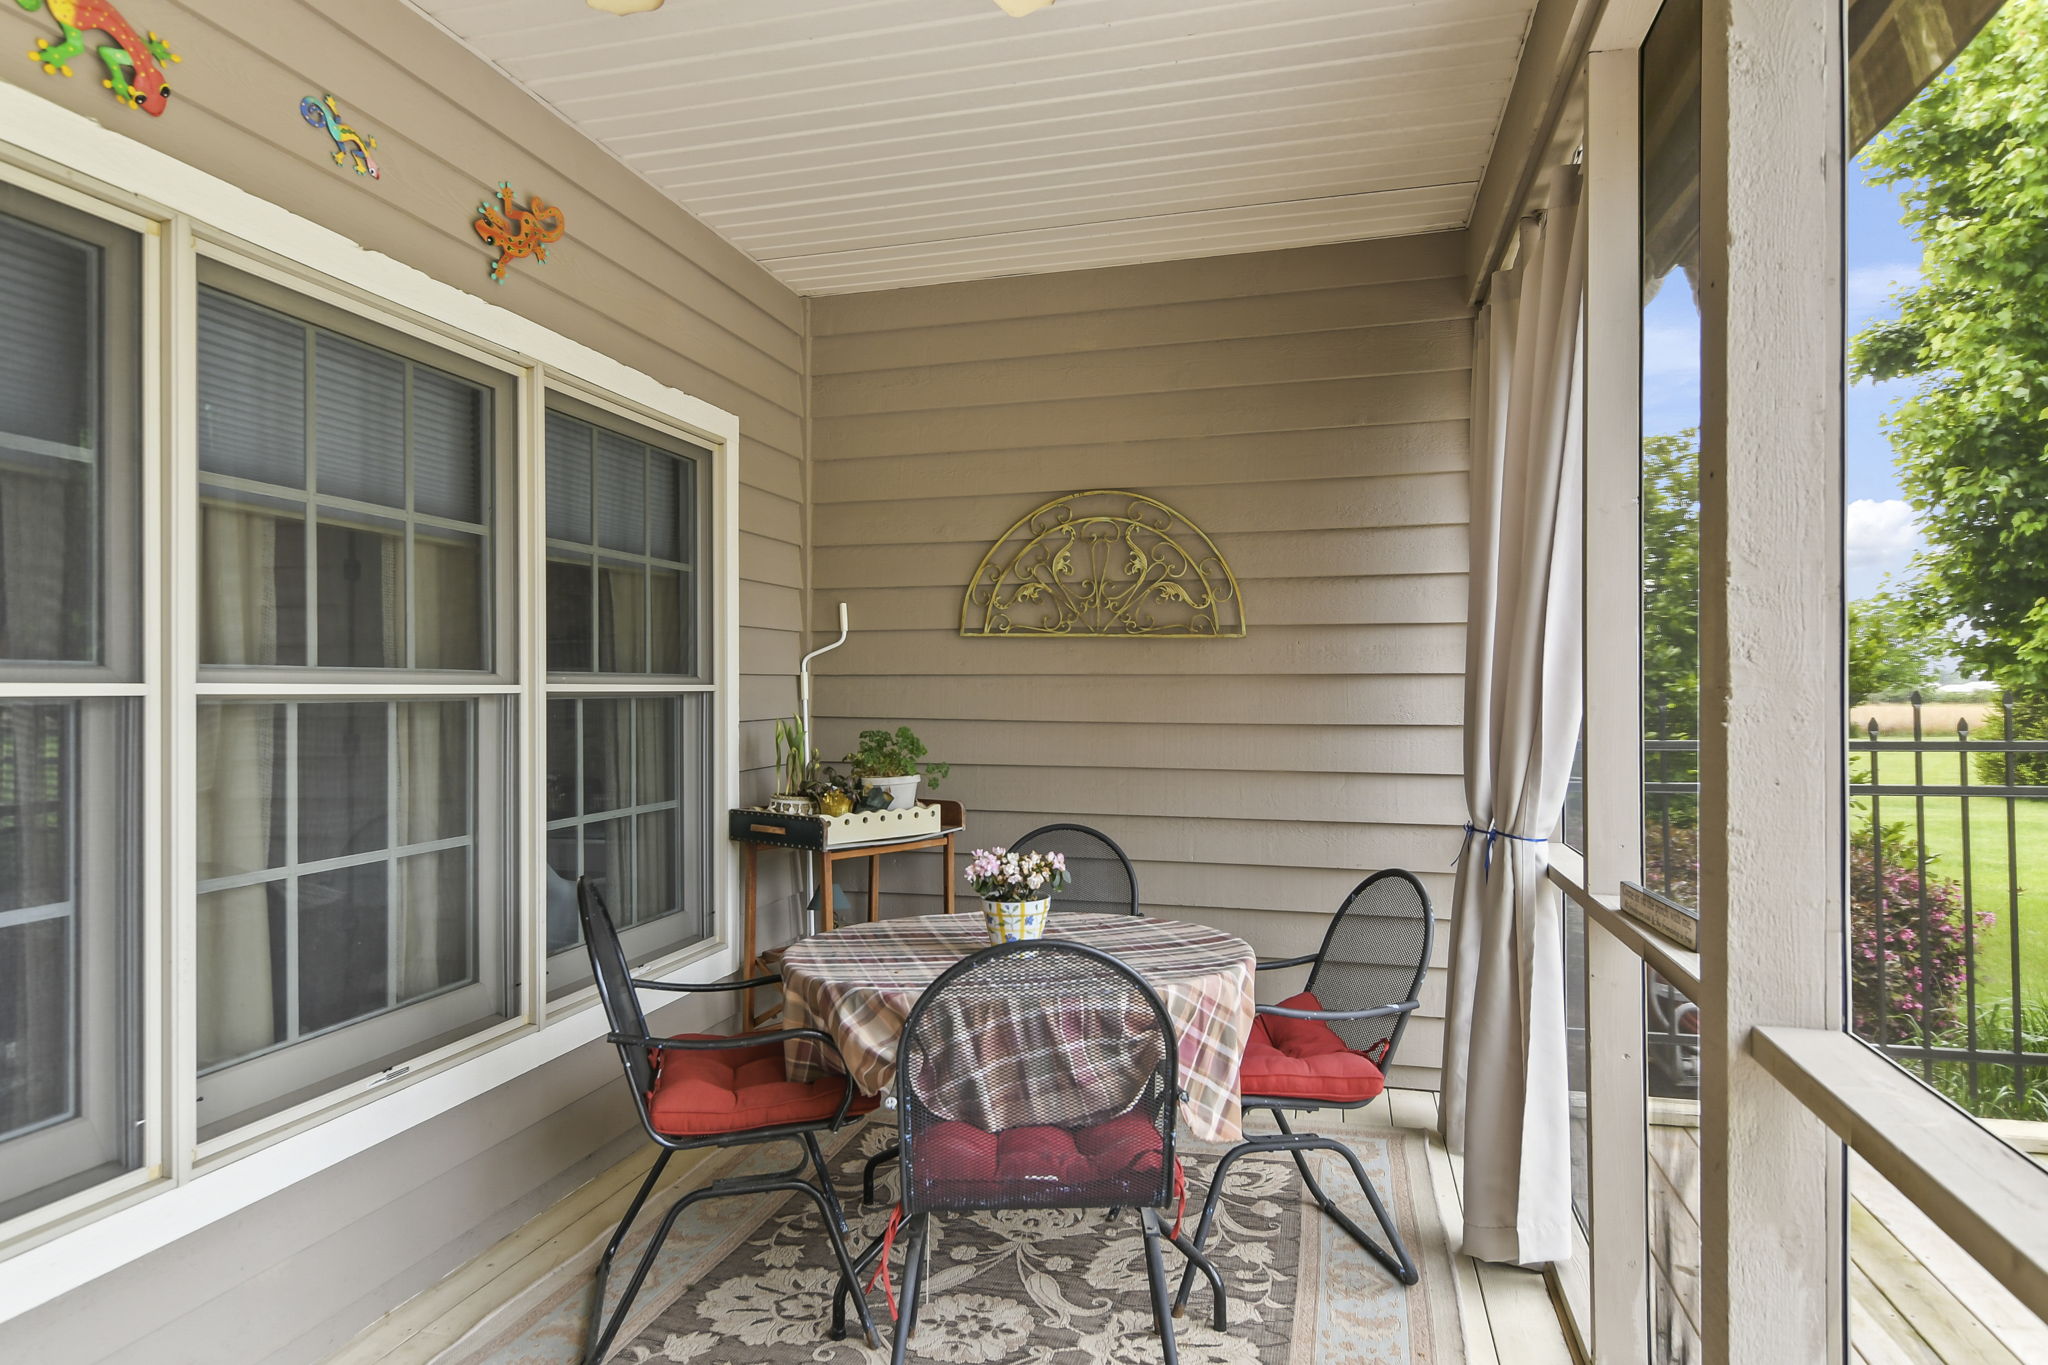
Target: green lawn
[[1989, 866]]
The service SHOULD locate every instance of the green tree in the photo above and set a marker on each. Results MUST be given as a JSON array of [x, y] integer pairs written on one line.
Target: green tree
[[1892, 649], [1969, 159], [1671, 585], [2029, 713]]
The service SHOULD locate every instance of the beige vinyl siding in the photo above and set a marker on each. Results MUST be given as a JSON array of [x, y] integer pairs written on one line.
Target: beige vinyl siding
[[293, 1277], [635, 277], [1308, 409]]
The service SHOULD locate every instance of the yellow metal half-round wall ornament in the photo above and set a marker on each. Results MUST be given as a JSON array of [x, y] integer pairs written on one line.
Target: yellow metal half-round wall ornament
[[1108, 564]]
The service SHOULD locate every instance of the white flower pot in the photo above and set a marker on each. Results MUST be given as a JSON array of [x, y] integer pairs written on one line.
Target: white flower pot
[[902, 790], [1013, 921]]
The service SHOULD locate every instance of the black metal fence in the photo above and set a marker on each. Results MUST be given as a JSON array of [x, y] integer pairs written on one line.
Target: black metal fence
[[1946, 834]]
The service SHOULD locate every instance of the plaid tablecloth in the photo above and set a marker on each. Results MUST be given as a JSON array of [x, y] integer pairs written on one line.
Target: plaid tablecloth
[[858, 985]]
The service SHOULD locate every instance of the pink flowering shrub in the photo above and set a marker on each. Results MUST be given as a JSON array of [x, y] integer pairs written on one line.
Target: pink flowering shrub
[[1907, 966], [1885, 927]]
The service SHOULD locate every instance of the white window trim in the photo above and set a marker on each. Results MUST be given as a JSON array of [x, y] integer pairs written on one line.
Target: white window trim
[[183, 1186]]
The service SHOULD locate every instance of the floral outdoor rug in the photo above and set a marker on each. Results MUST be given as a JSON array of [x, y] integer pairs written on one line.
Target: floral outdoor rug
[[749, 1282]]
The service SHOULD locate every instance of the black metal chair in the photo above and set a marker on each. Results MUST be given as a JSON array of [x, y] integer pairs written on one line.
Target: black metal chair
[[1330, 1046], [707, 1090], [1104, 880], [1038, 1075]]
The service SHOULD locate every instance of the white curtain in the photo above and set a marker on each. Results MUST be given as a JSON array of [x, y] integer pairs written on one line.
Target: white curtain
[[1505, 1092], [236, 784]]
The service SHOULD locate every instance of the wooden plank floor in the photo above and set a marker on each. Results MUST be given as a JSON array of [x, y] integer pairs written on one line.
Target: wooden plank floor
[[1915, 1298], [1508, 1315]]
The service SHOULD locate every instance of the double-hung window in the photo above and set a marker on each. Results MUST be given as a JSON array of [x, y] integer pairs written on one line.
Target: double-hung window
[[325, 672], [355, 724], [70, 701], [629, 737]]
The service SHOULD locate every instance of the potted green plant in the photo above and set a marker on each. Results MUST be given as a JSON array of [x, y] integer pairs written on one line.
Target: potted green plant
[[890, 760], [792, 769]]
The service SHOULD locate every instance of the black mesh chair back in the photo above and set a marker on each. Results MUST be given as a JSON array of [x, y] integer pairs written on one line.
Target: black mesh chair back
[[1103, 879], [614, 980], [1375, 953], [1037, 1075]]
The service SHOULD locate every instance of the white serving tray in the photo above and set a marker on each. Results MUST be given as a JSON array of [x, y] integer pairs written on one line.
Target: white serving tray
[[879, 826]]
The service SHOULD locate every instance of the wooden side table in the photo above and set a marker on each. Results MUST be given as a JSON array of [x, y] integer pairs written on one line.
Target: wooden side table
[[774, 831]]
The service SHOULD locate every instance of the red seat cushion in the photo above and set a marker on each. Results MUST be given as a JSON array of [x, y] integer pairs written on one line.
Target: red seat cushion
[[1304, 1059], [1107, 1163], [732, 1089]]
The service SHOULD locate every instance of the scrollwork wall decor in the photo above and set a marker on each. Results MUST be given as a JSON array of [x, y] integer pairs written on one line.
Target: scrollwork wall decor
[[1104, 563]]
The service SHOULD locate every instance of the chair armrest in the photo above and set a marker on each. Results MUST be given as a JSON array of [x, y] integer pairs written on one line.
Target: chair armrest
[[749, 984], [723, 1040], [1377, 1012], [1276, 963]]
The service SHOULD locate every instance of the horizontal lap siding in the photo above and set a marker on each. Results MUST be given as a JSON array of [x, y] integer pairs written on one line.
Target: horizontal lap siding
[[1308, 410], [636, 279]]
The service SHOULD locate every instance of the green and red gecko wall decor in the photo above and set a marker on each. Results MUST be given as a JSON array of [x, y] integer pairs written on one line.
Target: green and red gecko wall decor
[[351, 148], [134, 62], [518, 231]]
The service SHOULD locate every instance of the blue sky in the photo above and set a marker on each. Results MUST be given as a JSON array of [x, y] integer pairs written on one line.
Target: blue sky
[[1881, 256]]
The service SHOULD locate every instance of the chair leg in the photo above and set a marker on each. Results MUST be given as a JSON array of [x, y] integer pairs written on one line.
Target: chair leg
[[875, 1162], [924, 1273], [913, 1284], [1220, 1298], [604, 1262], [602, 1345], [1397, 1261], [1187, 1279], [861, 1264], [1155, 1272], [836, 1232]]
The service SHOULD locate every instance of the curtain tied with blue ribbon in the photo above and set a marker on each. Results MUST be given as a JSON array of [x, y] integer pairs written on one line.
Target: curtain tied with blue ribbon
[[1491, 833]]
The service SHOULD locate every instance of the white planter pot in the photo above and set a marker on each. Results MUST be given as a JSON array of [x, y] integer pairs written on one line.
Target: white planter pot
[[1013, 921], [902, 790]]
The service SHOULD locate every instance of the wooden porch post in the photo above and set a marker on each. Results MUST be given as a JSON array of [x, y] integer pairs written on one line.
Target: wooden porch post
[[1618, 1169], [1771, 685]]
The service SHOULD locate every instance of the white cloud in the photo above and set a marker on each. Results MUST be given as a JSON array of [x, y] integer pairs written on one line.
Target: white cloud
[[1869, 288], [1878, 538]]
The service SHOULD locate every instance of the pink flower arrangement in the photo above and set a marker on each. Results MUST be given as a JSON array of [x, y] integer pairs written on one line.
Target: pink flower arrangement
[[999, 874]]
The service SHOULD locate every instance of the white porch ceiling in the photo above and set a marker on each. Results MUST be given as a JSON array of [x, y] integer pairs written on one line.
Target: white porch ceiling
[[870, 144]]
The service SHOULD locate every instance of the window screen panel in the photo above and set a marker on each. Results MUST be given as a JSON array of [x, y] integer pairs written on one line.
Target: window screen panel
[[48, 309], [448, 418], [630, 806], [622, 532], [69, 928], [252, 392], [621, 493], [388, 555], [347, 848], [666, 477], [569, 453], [69, 345], [359, 427]]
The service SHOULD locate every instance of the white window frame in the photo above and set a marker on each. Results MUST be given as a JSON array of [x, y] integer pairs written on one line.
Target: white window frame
[[147, 690], [722, 610], [184, 1185]]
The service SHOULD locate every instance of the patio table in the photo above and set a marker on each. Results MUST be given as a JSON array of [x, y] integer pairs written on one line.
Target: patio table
[[858, 984]]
